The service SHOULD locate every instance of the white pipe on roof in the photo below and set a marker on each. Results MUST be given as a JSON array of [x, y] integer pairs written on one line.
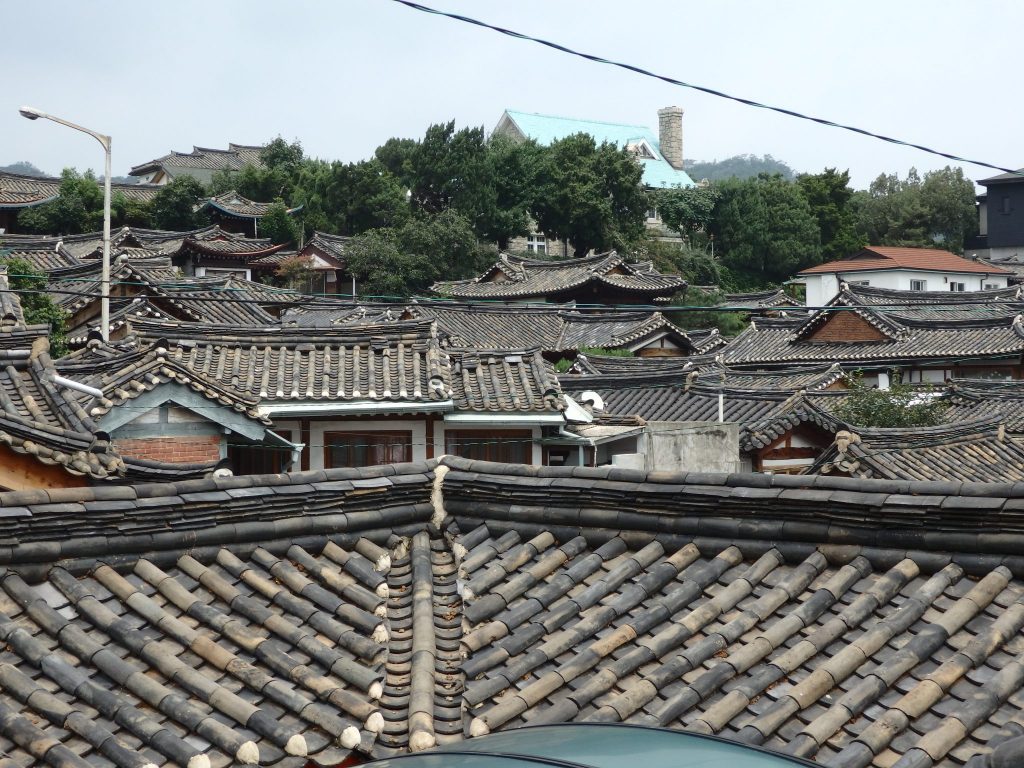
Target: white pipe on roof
[[77, 386]]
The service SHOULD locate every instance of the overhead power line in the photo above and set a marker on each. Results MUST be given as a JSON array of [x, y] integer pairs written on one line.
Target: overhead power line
[[703, 89]]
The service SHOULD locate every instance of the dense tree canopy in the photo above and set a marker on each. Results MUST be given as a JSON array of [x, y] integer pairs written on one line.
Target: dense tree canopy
[[686, 210], [278, 225], [737, 167], [78, 207], [38, 305], [828, 194], [765, 228], [174, 205], [937, 211], [590, 194]]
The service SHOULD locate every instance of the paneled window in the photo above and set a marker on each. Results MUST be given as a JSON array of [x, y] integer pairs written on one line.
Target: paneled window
[[366, 449], [511, 446], [919, 285], [958, 286], [537, 244]]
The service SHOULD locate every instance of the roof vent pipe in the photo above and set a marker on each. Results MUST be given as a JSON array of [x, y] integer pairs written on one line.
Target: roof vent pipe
[[77, 386]]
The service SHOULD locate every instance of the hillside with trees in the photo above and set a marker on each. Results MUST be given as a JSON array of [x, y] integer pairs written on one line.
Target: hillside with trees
[[441, 206]]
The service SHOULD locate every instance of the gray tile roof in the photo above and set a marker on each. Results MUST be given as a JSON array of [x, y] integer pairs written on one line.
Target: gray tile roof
[[972, 398], [671, 395], [553, 329], [516, 278], [769, 299], [299, 617], [391, 362], [975, 450], [400, 361], [19, 191], [235, 204], [519, 381], [205, 159], [782, 341]]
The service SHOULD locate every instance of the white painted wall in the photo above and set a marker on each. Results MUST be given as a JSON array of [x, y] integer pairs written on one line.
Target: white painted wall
[[822, 288]]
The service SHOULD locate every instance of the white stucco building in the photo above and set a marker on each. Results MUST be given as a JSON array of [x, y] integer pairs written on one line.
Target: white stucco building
[[903, 269]]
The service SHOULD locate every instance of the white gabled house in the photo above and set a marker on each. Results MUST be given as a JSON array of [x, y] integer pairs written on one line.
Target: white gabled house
[[902, 269]]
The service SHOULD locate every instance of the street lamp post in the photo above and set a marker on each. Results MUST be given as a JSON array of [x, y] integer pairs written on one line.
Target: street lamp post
[[32, 113]]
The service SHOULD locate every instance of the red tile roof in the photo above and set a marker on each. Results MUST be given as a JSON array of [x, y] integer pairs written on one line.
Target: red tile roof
[[886, 257]]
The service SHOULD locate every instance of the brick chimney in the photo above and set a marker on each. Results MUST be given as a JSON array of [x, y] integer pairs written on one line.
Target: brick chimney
[[670, 135]]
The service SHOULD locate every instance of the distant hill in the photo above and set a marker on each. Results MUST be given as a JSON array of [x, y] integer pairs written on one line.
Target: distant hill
[[25, 168], [739, 166]]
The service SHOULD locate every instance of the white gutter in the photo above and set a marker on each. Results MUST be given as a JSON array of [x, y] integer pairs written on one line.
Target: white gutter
[[500, 419], [363, 407], [77, 386]]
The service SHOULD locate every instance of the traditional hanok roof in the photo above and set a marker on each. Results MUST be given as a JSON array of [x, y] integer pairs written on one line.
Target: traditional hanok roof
[[217, 243], [124, 378], [512, 381], [235, 205], [768, 299], [202, 162], [327, 245], [552, 329], [44, 418], [974, 450], [614, 365], [673, 395], [42, 256], [19, 191], [937, 305], [514, 278], [969, 399], [393, 362], [867, 334], [800, 408], [291, 619], [879, 257], [544, 129]]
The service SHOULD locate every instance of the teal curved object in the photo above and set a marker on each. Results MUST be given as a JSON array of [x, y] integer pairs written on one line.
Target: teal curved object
[[596, 746]]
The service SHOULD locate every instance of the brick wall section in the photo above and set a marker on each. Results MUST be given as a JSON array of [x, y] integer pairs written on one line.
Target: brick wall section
[[847, 326], [172, 450]]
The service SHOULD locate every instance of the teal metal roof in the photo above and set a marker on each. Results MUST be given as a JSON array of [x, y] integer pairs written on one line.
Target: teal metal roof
[[545, 129]]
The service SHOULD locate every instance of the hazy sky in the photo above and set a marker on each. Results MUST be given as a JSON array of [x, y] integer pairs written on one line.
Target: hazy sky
[[345, 76]]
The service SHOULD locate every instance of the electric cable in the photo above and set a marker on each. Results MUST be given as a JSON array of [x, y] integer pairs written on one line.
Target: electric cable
[[703, 89]]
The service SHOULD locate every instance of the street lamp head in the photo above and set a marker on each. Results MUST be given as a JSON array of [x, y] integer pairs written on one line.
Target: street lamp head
[[30, 112]]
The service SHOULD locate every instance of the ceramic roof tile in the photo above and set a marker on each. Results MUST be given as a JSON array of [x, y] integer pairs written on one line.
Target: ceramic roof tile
[[516, 278], [228, 620]]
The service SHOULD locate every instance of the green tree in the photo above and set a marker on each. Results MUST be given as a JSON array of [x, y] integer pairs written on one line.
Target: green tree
[[705, 314], [174, 206], [382, 268], [676, 258], [948, 197], [899, 406], [129, 212], [296, 272], [364, 196], [278, 153], [686, 210], [400, 262], [511, 177], [936, 211], [38, 305], [738, 167], [765, 228], [78, 207], [277, 225], [590, 194], [891, 211], [828, 194]]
